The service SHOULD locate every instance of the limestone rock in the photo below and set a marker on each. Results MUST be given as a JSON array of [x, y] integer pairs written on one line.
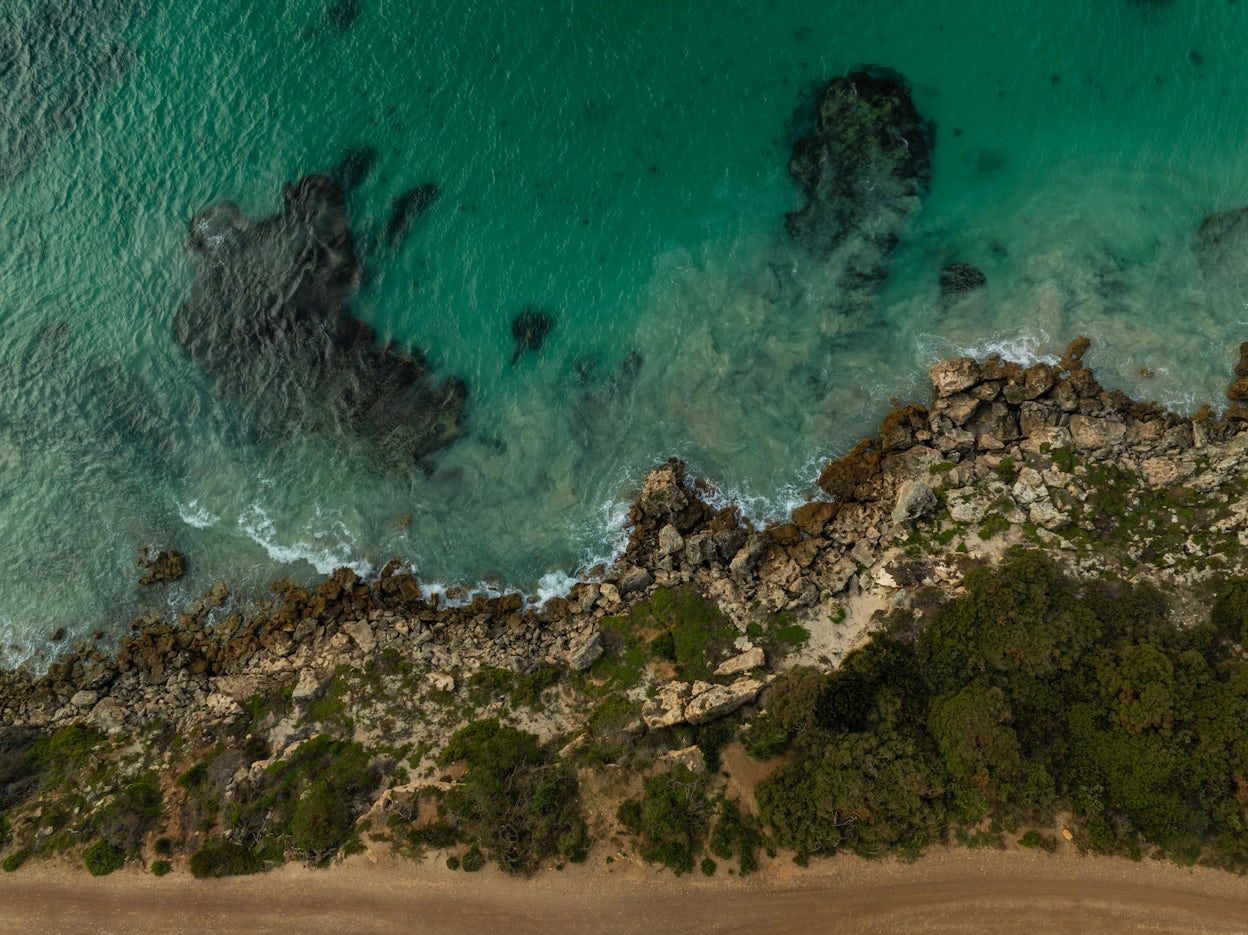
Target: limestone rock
[[953, 376], [914, 500], [441, 681], [307, 686], [1094, 433], [670, 540], [967, 505], [689, 757], [1165, 472], [362, 633], [634, 579], [585, 653], [746, 559], [1044, 513], [667, 707], [710, 702], [84, 698], [750, 659]]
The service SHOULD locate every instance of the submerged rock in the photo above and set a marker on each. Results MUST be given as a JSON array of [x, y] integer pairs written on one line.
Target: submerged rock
[[266, 321], [959, 278], [342, 14], [529, 330], [353, 168], [164, 565], [862, 169], [1222, 243], [407, 208]]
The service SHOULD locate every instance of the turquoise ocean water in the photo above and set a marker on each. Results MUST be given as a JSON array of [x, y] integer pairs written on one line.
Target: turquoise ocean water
[[620, 165]]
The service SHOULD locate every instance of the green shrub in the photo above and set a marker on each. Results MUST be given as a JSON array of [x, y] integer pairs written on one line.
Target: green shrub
[[1230, 610], [1026, 696], [452, 863], [735, 837], [319, 822], [133, 812], [663, 646], [515, 798], [709, 867], [163, 846], [670, 820], [222, 858], [629, 815], [161, 867], [711, 740], [14, 861], [310, 799], [1033, 838], [103, 857], [474, 860]]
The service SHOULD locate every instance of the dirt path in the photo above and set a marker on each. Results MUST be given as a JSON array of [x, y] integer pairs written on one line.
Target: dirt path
[[946, 892]]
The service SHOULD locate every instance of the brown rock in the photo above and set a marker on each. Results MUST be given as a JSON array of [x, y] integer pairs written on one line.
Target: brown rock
[[165, 565], [812, 517], [784, 534], [1073, 358]]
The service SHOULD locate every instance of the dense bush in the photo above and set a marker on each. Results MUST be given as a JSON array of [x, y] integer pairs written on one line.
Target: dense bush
[[161, 867], [670, 820], [1230, 610], [309, 800], [103, 857], [220, 858], [13, 861], [1028, 695], [515, 798]]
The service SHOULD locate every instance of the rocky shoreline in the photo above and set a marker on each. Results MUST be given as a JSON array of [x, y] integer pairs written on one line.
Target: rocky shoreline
[[1000, 443], [685, 634]]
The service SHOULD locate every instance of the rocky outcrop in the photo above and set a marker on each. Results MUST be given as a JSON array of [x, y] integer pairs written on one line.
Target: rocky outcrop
[[164, 565], [266, 321]]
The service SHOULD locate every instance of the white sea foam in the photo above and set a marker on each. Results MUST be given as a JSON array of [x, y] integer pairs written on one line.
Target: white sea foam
[[1021, 346], [259, 527], [193, 514]]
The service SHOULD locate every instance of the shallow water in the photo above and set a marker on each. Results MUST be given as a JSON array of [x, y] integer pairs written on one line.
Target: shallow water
[[621, 166]]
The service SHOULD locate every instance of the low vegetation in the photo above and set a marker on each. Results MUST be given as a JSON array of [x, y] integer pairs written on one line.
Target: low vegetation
[[1030, 709]]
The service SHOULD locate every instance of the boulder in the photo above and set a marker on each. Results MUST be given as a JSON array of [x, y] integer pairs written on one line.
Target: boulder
[[84, 698], [670, 540], [914, 500], [361, 632], [689, 757], [953, 376], [307, 687], [634, 579], [1091, 433], [161, 566], [812, 517], [667, 707], [710, 702], [585, 652], [753, 658]]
